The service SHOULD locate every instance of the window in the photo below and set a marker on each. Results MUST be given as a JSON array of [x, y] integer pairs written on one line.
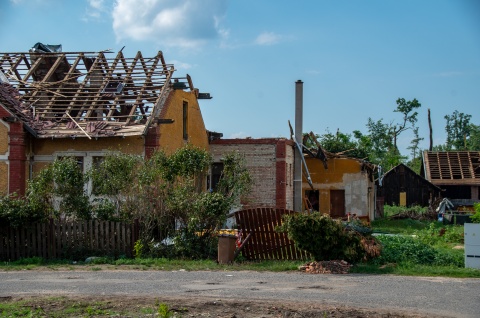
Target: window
[[216, 174], [185, 120]]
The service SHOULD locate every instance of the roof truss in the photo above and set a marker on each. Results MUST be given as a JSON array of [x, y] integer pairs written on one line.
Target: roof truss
[[87, 94]]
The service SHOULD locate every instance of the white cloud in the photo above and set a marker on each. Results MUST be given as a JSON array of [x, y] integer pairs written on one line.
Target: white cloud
[[268, 38], [96, 8], [181, 65], [177, 23]]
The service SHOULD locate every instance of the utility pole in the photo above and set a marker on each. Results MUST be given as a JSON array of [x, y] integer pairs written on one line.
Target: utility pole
[[297, 176]]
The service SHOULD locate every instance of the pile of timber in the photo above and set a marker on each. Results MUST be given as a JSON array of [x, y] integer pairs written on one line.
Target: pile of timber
[[326, 267]]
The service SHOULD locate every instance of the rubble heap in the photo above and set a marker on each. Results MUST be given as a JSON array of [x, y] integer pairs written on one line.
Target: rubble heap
[[326, 267]]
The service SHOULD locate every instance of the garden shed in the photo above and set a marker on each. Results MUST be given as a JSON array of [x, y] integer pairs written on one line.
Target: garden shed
[[456, 172], [404, 187]]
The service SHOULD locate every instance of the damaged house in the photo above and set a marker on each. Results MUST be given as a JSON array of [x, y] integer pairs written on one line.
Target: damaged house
[[457, 173], [85, 104], [339, 184]]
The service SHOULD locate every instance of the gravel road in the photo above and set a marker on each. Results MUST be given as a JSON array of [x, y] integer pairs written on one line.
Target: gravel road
[[431, 296]]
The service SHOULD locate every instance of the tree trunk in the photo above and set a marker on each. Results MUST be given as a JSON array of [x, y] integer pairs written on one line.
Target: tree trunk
[[430, 148]]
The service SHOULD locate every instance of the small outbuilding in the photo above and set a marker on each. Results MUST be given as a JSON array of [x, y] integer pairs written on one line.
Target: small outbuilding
[[404, 187]]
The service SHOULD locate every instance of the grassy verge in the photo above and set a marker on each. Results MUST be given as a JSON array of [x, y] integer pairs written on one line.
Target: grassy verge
[[429, 253], [69, 307]]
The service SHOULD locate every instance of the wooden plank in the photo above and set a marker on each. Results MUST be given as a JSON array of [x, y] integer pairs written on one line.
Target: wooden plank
[[265, 237], [2, 244], [254, 238], [128, 234], [123, 241], [89, 234], [118, 245], [61, 232], [42, 236], [95, 230], [65, 236], [274, 235], [101, 236], [21, 247], [17, 243]]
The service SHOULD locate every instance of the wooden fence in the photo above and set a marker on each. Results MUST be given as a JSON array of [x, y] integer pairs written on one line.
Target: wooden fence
[[264, 242], [58, 240]]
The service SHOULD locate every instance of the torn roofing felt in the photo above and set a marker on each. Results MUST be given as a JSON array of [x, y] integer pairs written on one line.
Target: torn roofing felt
[[85, 94]]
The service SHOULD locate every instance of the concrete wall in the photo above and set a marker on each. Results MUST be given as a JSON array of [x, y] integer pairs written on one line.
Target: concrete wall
[[270, 163], [342, 174]]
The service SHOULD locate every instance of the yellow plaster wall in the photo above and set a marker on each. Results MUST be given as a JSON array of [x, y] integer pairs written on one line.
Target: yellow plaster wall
[[131, 145], [3, 139], [171, 135], [3, 178], [337, 167], [342, 174]]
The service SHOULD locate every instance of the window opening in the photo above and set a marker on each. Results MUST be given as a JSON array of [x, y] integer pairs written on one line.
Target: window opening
[[185, 120]]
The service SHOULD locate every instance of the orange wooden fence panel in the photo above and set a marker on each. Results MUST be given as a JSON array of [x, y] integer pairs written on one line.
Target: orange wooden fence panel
[[265, 242]]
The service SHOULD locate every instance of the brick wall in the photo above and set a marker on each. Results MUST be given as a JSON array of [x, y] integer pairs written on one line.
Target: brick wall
[[17, 159], [268, 162]]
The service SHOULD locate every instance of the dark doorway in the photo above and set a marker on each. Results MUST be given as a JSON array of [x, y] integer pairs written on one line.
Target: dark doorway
[[337, 203], [313, 199]]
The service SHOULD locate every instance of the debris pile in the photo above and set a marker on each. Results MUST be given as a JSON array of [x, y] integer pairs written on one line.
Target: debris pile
[[326, 267], [10, 95]]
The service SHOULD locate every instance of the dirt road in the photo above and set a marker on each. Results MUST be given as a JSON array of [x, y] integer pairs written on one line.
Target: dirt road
[[265, 294]]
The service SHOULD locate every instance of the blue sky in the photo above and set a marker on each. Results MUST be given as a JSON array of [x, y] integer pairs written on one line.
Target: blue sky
[[354, 57]]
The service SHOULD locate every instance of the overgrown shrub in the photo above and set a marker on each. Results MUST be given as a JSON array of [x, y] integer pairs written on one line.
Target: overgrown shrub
[[15, 211], [476, 217], [408, 249], [390, 210], [399, 248], [445, 234], [325, 238]]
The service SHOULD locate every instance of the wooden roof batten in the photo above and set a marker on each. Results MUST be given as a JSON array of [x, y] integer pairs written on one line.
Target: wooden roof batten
[[85, 94], [452, 167]]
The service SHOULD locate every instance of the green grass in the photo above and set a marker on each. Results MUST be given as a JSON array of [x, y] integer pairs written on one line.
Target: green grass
[[403, 226]]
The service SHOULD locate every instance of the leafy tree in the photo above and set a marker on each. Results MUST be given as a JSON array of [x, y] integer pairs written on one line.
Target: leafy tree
[[458, 130], [473, 143], [58, 190], [167, 194], [342, 143], [409, 119]]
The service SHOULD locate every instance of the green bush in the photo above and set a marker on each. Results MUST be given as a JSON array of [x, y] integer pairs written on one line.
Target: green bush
[[323, 237], [436, 234], [15, 211], [390, 210], [408, 249], [398, 248], [476, 217]]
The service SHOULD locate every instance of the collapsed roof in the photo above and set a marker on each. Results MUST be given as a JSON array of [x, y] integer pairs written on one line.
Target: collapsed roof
[[86, 94]]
